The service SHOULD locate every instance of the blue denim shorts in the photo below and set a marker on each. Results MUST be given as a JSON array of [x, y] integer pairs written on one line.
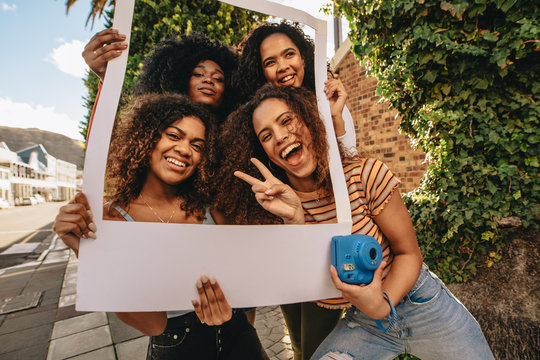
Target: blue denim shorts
[[431, 324]]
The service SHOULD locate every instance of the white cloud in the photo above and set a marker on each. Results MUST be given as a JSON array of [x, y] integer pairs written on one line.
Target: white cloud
[[7, 7], [67, 58], [23, 115]]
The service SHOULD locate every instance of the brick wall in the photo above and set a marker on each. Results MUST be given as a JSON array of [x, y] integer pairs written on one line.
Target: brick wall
[[377, 128]]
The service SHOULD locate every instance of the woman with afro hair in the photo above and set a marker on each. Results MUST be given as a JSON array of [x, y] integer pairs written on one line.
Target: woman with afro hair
[[153, 169], [283, 55], [177, 65]]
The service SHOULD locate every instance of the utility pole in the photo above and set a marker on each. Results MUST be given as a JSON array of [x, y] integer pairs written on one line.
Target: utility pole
[[337, 30]]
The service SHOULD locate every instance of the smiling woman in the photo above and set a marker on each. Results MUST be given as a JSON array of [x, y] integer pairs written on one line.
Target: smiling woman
[[283, 55], [153, 159], [153, 174], [282, 62]]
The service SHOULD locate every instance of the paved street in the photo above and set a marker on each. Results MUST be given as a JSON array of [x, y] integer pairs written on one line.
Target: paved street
[[38, 319], [19, 222]]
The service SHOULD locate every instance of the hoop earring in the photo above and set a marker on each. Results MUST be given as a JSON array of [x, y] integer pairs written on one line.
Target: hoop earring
[[270, 166]]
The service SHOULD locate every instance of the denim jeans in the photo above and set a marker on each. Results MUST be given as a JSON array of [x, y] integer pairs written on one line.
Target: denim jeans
[[186, 338], [432, 324], [308, 325]]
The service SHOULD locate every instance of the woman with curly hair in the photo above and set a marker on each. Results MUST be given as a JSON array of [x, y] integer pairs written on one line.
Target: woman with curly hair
[[308, 323], [405, 308], [192, 64], [153, 168], [283, 55]]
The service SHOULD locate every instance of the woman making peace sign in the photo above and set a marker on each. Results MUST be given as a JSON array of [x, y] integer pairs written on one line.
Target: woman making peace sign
[[420, 315]]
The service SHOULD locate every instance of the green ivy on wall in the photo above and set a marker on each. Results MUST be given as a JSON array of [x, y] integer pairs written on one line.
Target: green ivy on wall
[[465, 78]]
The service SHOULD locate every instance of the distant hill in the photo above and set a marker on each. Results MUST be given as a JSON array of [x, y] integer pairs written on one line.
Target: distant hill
[[59, 146]]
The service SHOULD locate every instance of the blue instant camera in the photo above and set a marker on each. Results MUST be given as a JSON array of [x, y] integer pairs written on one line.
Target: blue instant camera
[[355, 257]]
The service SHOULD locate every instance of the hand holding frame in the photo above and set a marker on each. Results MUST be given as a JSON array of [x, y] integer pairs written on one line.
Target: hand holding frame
[[274, 196], [103, 47], [213, 308], [74, 221]]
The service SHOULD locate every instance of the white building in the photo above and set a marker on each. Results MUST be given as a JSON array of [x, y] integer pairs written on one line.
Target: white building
[[34, 171]]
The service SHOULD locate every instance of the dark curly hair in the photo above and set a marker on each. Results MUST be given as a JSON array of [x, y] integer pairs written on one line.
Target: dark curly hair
[[250, 76], [136, 134], [168, 68], [239, 143]]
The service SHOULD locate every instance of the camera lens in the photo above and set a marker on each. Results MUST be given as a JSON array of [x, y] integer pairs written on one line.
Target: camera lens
[[372, 253]]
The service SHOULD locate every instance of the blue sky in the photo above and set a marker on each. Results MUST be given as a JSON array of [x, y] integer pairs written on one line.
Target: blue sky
[[41, 67], [40, 64]]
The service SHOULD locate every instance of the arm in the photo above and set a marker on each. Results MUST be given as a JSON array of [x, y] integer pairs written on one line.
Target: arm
[[337, 96], [74, 221], [103, 47], [341, 116], [348, 140], [149, 323], [395, 223], [219, 218]]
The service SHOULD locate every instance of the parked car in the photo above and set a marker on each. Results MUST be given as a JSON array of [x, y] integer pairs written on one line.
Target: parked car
[[40, 199], [29, 201], [4, 204]]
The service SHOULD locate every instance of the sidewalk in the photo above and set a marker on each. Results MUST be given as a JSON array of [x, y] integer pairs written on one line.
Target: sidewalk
[[50, 328]]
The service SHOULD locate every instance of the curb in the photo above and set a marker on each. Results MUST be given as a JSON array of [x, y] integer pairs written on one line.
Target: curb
[[46, 252]]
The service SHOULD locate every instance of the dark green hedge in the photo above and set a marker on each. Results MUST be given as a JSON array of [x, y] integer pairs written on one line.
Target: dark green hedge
[[464, 76]]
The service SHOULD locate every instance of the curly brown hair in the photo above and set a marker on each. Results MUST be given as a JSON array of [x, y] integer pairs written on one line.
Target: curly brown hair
[[136, 134], [238, 143], [250, 75], [169, 66]]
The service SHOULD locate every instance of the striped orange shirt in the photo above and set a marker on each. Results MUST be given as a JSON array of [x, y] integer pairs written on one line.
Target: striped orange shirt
[[370, 184]]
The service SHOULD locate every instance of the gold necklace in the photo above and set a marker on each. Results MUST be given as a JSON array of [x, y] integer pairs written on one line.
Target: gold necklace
[[155, 213]]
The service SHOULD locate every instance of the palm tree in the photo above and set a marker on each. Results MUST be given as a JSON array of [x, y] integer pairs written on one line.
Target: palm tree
[[97, 7]]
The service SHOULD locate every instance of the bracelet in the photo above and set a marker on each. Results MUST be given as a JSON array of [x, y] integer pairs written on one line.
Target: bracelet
[[392, 312]]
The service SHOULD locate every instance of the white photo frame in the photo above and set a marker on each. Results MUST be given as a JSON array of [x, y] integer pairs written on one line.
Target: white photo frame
[[136, 266]]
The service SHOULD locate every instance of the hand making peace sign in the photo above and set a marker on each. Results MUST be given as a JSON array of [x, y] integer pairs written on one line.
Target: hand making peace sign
[[274, 196]]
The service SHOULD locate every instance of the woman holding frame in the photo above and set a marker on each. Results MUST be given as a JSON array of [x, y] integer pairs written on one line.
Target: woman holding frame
[[154, 166], [418, 314], [283, 56], [192, 65]]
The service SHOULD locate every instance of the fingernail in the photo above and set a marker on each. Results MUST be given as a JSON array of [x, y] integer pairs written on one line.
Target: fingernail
[[118, 51], [212, 279], [199, 283], [194, 303], [204, 279], [84, 236], [91, 235], [92, 227], [90, 214]]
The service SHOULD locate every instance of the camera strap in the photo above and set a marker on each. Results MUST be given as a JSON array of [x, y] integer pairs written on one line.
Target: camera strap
[[392, 312]]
